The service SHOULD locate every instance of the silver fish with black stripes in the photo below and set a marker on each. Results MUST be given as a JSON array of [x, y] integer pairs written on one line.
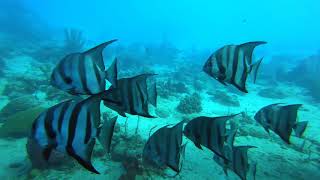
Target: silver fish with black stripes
[[281, 119], [71, 127], [84, 73], [232, 64], [210, 132], [165, 148], [133, 95], [236, 158]]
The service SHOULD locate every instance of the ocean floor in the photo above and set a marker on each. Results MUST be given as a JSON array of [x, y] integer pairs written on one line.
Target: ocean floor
[[275, 159]]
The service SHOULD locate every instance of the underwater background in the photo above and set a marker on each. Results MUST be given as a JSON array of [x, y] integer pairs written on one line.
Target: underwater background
[[172, 39]]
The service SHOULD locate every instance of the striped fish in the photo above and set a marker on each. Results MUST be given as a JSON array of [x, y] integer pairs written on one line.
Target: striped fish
[[237, 162], [209, 132], [165, 148], [132, 95], [232, 64], [236, 158], [84, 73], [71, 127], [281, 119]]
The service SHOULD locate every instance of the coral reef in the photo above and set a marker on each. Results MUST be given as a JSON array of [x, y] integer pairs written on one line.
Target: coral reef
[[190, 104], [223, 98], [169, 88]]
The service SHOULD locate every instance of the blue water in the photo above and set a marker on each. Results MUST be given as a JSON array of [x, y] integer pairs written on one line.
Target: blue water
[[172, 39]]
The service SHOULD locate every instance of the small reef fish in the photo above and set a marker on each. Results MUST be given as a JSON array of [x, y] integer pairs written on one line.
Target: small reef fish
[[210, 132], [165, 148], [281, 119], [236, 158], [232, 64], [132, 95], [237, 162], [84, 73], [71, 127]]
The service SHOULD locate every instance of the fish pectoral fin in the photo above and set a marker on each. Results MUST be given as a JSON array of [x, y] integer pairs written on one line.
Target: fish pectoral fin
[[112, 73], [106, 133], [254, 69], [300, 127]]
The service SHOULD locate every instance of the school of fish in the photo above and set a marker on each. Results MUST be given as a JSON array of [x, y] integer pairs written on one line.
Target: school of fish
[[72, 127]]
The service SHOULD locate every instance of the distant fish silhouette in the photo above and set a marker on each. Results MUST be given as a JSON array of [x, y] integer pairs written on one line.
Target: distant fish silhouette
[[132, 95], [209, 132], [84, 73], [281, 119], [236, 159], [71, 127], [232, 64], [164, 148]]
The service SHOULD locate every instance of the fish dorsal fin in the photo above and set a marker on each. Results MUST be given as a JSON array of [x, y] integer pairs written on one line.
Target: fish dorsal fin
[[248, 49], [112, 73], [84, 157], [106, 133], [96, 54]]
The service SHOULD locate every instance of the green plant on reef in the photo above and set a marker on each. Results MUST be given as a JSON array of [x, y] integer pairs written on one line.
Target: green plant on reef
[[19, 124], [190, 104]]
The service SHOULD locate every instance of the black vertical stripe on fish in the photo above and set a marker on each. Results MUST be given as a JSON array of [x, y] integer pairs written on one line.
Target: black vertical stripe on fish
[[234, 65], [227, 57], [61, 73], [73, 124], [96, 73], [241, 72], [82, 75], [220, 64], [88, 128], [48, 124]]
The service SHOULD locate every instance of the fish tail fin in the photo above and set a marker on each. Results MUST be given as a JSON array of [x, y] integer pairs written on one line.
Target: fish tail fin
[[106, 133], [254, 68], [95, 53], [112, 73], [300, 127]]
